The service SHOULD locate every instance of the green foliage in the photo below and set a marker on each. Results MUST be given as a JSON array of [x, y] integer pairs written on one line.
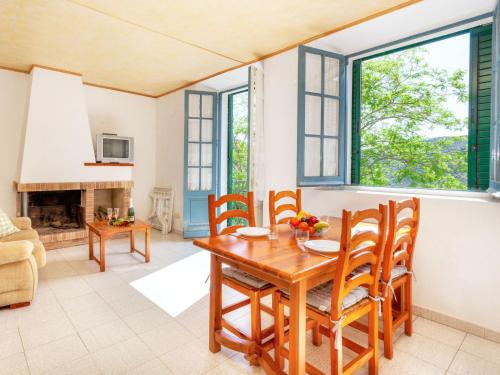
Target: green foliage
[[239, 156], [239, 152], [402, 97]]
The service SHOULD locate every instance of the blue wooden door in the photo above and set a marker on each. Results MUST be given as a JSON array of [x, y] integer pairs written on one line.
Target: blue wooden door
[[199, 160]]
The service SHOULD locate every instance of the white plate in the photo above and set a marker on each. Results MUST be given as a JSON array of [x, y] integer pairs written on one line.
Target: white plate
[[253, 231], [324, 246]]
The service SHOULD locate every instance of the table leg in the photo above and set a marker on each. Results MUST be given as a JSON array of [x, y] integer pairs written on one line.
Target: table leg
[[132, 241], [215, 323], [148, 240], [91, 245], [102, 255], [297, 360]]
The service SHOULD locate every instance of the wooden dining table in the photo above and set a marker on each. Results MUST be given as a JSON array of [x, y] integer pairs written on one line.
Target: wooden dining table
[[281, 262]]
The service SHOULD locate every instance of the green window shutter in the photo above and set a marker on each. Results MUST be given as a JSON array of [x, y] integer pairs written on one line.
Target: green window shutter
[[480, 108], [356, 119]]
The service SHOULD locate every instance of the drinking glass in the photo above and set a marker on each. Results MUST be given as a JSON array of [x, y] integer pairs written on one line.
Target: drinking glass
[[273, 232], [109, 213], [301, 236], [116, 212]]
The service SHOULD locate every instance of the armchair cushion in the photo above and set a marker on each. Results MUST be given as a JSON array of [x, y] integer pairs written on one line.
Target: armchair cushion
[[22, 222], [6, 226], [15, 251]]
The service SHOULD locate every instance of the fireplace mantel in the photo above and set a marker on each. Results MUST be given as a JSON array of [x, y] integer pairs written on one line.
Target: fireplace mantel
[[82, 185]]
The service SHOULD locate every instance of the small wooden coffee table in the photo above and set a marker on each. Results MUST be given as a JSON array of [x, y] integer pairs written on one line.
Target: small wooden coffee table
[[105, 231]]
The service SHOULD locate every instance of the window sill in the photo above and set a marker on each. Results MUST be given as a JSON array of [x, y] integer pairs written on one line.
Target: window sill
[[431, 193]]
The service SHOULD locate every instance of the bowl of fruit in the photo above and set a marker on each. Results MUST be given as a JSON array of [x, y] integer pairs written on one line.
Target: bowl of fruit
[[307, 222], [119, 222]]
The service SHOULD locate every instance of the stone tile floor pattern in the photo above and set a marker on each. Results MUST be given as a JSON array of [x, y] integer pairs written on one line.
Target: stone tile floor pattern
[[86, 322]]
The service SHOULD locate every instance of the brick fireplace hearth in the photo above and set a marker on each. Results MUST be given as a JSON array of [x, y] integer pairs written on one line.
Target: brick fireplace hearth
[[59, 215]]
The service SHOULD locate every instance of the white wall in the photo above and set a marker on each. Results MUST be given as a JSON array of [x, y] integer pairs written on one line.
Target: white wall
[[14, 88], [132, 116], [280, 122], [170, 146]]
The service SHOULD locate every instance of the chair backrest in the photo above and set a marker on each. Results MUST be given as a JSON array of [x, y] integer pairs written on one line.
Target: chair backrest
[[276, 209], [401, 235], [215, 220], [359, 247]]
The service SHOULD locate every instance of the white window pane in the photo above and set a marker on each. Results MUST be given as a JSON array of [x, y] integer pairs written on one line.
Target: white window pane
[[206, 155], [206, 179], [313, 72], [332, 80], [194, 105], [193, 179], [193, 154], [207, 105], [331, 118], [312, 114], [330, 157], [206, 130], [311, 156], [194, 130]]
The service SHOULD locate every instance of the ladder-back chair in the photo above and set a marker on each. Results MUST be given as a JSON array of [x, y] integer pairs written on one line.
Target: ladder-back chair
[[246, 284], [275, 209], [347, 298], [397, 268]]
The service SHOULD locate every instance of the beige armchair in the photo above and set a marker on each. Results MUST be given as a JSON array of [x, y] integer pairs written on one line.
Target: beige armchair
[[21, 254], [18, 273]]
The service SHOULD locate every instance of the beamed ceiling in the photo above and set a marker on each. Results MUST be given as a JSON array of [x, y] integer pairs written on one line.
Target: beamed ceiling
[[156, 46]]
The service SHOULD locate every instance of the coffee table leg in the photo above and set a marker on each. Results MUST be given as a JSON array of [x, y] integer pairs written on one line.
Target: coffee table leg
[[148, 240], [132, 241], [91, 245], [103, 256]]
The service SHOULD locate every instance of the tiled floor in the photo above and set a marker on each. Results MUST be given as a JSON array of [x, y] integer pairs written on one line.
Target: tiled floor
[[86, 322]]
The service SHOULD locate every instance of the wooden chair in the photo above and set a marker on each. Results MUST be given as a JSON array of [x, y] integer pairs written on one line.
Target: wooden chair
[[397, 269], [274, 210], [246, 284], [347, 298]]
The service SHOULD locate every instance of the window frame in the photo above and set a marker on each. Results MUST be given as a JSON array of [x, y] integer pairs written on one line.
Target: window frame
[[303, 180], [472, 153]]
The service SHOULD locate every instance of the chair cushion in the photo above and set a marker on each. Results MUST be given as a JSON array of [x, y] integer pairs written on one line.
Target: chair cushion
[[6, 226], [245, 278], [321, 297], [398, 271]]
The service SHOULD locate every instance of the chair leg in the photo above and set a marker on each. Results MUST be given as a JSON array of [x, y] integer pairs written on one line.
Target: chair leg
[[279, 328], [316, 336], [388, 332], [373, 339], [409, 307], [255, 323], [336, 355]]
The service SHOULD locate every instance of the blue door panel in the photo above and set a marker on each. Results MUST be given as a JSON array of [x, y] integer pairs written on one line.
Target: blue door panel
[[200, 160]]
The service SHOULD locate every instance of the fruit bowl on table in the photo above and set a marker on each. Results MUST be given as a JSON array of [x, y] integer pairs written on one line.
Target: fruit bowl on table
[[307, 222], [119, 222]]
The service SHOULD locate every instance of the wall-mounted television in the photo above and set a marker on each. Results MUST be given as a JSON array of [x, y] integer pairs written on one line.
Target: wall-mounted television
[[112, 148]]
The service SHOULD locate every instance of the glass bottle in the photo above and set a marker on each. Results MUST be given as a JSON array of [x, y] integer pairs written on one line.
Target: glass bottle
[[131, 212]]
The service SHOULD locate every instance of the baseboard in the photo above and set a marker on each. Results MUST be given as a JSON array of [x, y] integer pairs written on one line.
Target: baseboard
[[452, 322]]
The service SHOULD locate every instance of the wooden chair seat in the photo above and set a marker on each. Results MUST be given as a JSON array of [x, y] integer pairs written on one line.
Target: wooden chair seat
[[245, 279]]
